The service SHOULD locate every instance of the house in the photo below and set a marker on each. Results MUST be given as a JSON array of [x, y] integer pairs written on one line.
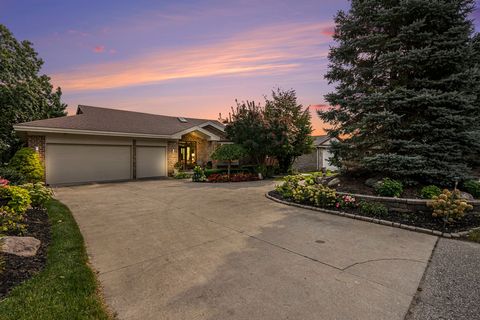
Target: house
[[319, 158], [100, 144]]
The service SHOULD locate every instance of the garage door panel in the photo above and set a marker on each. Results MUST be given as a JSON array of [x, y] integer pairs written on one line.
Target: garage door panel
[[87, 163], [151, 162]]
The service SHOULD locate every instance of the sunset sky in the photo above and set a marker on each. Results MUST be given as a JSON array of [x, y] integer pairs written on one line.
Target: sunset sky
[[181, 58]]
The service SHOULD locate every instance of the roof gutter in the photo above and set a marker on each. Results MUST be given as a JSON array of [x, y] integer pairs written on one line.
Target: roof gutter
[[90, 132]]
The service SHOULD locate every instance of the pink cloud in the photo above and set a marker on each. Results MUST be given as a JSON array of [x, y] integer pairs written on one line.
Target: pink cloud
[[320, 107], [328, 31], [99, 49], [269, 50]]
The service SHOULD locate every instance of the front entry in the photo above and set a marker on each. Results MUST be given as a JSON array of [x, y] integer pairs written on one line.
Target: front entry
[[187, 151]]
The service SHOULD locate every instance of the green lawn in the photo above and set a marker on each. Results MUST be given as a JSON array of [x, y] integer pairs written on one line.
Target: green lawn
[[67, 287]]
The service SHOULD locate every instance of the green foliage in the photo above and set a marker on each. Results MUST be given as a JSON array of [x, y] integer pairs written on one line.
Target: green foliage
[[282, 129], [66, 288], [27, 162], [373, 209], [449, 205], [474, 236], [389, 188], [11, 222], [429, 192], [182, 175], [302, 189], [13, 176], [39, 193], [289, 126], [407, 94], [247, 127], [198, 174], [25, 94], [229, 153], [17, 199], [473, 187]]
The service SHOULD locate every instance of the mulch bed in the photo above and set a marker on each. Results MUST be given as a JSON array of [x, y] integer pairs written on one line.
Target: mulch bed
[[356, 184], [18, 269], [418, 219]]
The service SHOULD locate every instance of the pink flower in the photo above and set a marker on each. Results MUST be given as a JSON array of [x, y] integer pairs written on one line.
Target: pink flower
[[337, 205], [3, 182]]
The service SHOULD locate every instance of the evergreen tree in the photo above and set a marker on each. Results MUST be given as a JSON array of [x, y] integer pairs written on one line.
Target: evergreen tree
[[406, 97], [25, 94]]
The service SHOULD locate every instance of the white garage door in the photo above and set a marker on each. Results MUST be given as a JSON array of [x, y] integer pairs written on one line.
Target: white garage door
[[69, 163], [151, 162]]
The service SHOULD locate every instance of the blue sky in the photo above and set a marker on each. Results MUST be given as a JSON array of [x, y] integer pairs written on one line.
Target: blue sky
[[189, 58]]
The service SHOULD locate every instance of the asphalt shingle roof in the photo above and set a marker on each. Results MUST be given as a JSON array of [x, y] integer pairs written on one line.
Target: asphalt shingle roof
[[112, 120]]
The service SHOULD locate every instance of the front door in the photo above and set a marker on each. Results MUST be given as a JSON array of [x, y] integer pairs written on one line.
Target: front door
[[187, 151]]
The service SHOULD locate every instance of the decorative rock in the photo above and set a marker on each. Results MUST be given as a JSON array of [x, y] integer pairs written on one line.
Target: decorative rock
[[466, 196], [371, 182], [20, 246], [334, 182]]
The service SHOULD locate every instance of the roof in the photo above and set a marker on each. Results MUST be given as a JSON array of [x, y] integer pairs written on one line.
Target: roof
[[319, 140], [107, 120]]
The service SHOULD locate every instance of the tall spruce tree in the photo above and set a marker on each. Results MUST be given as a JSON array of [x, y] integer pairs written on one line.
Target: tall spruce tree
[[25, 94], [407, 90]]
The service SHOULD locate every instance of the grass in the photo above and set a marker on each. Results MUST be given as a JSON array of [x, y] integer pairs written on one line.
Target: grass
[[474, 236], [67, 287]]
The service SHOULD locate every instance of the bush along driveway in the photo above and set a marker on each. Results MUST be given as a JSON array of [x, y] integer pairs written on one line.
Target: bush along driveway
[[67, 287], [176, 249]]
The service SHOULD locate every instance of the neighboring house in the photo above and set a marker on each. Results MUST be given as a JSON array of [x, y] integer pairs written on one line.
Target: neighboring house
[[99, 144], [319, 158]]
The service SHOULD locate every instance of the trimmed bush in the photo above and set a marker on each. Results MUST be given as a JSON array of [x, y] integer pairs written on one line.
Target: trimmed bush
[[27, 162], [17, 199], [389, 188], [449, 205], [429, 192], [39, 193], [198, 174], [473, 187], [12, 175], [373, 209]]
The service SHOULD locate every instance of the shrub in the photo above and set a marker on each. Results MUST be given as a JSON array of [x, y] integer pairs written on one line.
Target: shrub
[[17, 199], [27, 162], [182, 175], [39, 193], [288, 185], [346, 201], [305, 194], [13, 176], [239, 177], [11, 222], [218, 177], [198, 174], [326, 197], [473, 187], [373, 209], [429, 192], [449, 205], [389, 188]]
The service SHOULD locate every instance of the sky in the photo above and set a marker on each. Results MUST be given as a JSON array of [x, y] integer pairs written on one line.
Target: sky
[[188, 58]]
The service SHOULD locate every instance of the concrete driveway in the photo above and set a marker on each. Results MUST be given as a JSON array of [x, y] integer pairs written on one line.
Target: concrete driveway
[[179, 250]]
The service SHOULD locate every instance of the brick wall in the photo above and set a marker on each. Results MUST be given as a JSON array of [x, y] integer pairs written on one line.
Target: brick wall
[[172, 156]]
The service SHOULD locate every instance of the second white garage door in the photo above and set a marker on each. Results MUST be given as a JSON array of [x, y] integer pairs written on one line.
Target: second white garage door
[[70, 163], [151, 162]]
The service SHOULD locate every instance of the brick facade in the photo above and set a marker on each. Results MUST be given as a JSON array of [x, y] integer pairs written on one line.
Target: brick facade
[[172, 156], [306, 162]]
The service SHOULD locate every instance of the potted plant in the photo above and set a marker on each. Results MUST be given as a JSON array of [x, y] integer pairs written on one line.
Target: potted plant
[[177, 167]]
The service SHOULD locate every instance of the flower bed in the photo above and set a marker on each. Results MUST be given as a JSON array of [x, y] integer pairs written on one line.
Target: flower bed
[[18, 269], [236, 177], [447, 214]]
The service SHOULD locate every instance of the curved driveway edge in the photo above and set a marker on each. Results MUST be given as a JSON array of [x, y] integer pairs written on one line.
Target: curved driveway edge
[[180, 250]]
